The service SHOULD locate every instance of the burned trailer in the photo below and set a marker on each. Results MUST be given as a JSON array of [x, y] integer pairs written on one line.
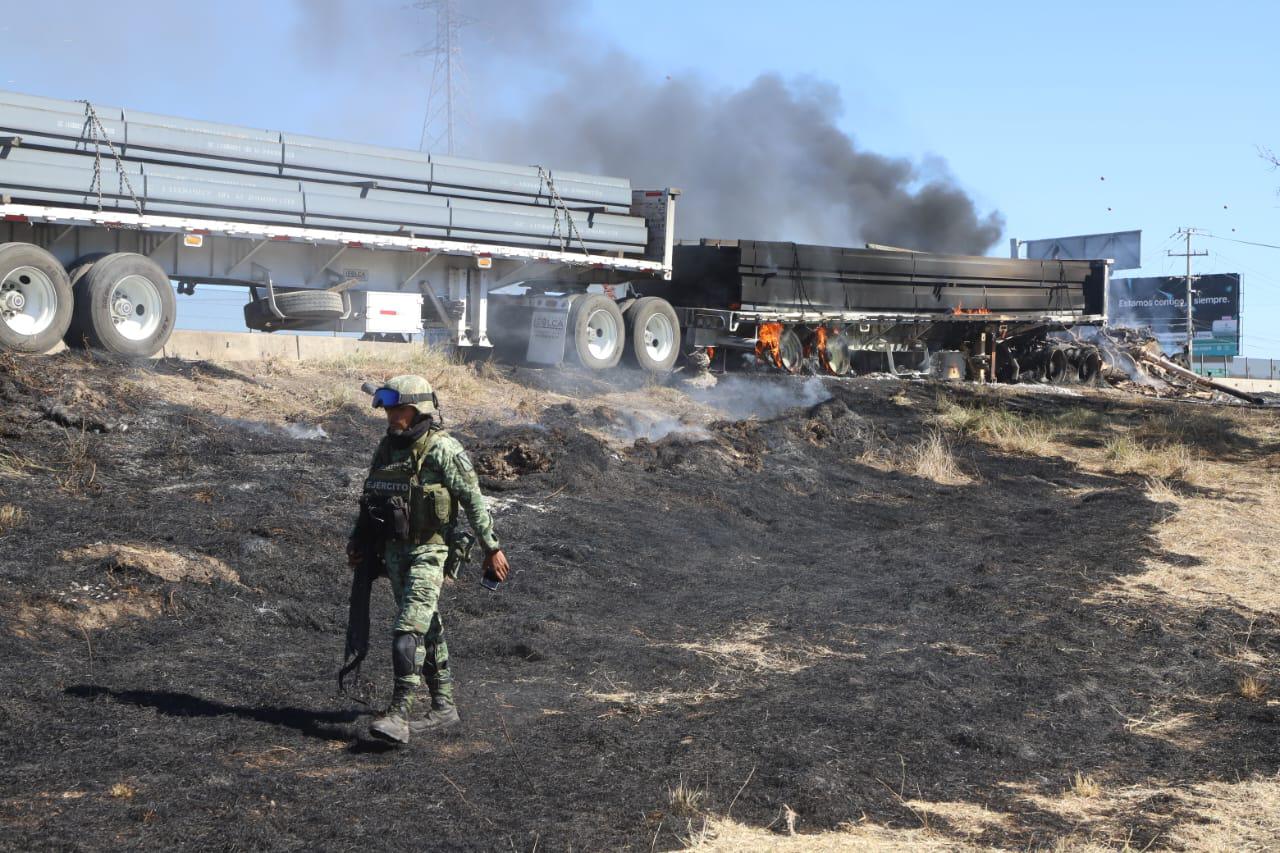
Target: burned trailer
[[867, 310]]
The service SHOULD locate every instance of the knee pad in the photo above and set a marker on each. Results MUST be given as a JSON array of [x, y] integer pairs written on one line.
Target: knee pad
[[404, 652]]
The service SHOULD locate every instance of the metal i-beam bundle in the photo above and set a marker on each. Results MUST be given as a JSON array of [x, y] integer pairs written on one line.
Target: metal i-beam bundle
[[76, 154], [872, 281]]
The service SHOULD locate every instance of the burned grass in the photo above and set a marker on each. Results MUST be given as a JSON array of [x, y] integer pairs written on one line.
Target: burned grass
[[819, 646]]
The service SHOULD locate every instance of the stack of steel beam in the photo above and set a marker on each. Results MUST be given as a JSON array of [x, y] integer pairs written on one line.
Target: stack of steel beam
[[51, 151], [829, 279]]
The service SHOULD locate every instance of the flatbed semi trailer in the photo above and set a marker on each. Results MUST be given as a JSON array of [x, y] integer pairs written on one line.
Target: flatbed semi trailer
[[878, 308], [104, 210]]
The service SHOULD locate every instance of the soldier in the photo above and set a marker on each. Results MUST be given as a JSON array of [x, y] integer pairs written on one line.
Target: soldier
[[419, 476]]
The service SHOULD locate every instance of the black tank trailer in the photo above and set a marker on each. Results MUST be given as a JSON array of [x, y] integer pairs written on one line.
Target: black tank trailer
[[865, 310]]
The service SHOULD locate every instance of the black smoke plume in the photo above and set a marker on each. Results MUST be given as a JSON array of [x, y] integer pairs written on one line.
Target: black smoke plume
[[767, 161]]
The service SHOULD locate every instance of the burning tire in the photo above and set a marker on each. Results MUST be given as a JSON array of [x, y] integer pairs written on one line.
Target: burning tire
[[597, 332], [653, 334], [35, 298], [124, 305]]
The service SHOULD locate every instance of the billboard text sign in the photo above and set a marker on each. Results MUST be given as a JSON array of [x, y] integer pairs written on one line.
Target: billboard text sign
[[1160, 304]]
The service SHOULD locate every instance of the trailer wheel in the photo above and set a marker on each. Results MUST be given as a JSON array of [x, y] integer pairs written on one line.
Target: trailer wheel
[[837, 354], [1055, 367], [790, 350], [1090, 367], [653, 333], [597, 333], [74, 337], [124, 305], [35, 298]]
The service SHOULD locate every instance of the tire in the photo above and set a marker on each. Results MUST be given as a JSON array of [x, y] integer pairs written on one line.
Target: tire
[[790, 350], [125, 305], [653, 334], [36, 300], [311, 305], [597, 333], [316, 306], [75, 336]]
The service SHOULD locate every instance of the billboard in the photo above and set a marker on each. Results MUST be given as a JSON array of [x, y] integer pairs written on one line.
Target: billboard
[[1160, 304], [1124, 247]]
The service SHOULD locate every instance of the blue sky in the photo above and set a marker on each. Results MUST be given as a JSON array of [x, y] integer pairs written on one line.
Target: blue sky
[[1065, 118]]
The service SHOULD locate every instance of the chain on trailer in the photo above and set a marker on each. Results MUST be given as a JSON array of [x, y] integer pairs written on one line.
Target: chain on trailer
[[560, 208], [98, 135]]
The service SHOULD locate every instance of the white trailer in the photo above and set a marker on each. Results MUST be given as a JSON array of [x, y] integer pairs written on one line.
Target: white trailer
[[107, 279]]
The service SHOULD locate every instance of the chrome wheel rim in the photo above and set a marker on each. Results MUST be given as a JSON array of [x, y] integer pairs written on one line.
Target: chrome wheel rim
[[602, 334], [789, 351], [136, 308], [659, 337], [28, 301]]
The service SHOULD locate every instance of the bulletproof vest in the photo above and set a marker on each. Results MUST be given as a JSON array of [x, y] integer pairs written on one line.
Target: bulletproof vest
[[404, 501]]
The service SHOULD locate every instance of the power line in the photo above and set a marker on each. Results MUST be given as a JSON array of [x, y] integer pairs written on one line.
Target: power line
[[1234, 240]]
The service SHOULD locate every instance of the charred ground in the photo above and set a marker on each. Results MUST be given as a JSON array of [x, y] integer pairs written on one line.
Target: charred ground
[[905, 615]]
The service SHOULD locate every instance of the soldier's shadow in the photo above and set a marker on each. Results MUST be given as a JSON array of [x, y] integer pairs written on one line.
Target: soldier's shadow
[[324, 725]]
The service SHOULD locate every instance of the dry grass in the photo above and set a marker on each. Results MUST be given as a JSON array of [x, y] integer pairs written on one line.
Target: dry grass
[[1126, 454], [933, 459], [1085, 786], [754, 648], [11, 518], [170, 565], [121, 791], [1251, 688], [1001, 428], [686, 800]]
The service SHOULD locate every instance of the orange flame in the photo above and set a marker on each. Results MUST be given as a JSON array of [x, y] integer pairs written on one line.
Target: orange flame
[[769, 343]]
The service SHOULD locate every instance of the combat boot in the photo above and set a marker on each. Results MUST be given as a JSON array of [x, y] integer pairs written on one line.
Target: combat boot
[[394, 724], [440, 716], [439, 680]]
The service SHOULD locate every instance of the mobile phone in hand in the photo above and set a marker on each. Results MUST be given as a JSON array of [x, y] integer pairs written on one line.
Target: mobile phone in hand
[[489, 583]]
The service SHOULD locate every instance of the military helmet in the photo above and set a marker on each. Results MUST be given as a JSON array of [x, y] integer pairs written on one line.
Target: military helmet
[[407, 390]]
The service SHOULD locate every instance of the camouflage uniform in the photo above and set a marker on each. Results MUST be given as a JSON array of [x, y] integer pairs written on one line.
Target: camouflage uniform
[[430, 475], [416, 570]]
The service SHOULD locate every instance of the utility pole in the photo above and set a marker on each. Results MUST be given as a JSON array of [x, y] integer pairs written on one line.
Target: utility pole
[[1191, 325], [440, 121]]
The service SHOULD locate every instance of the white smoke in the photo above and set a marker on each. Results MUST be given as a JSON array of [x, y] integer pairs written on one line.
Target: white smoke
[[742, 397]]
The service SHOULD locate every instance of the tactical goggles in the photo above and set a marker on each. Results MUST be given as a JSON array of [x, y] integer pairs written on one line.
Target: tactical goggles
[[386, 398]]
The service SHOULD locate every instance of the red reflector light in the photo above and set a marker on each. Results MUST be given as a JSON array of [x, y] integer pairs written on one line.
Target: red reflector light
[[280, 238], [355, 245], [385, 313], [14, 217], [653, 193]]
